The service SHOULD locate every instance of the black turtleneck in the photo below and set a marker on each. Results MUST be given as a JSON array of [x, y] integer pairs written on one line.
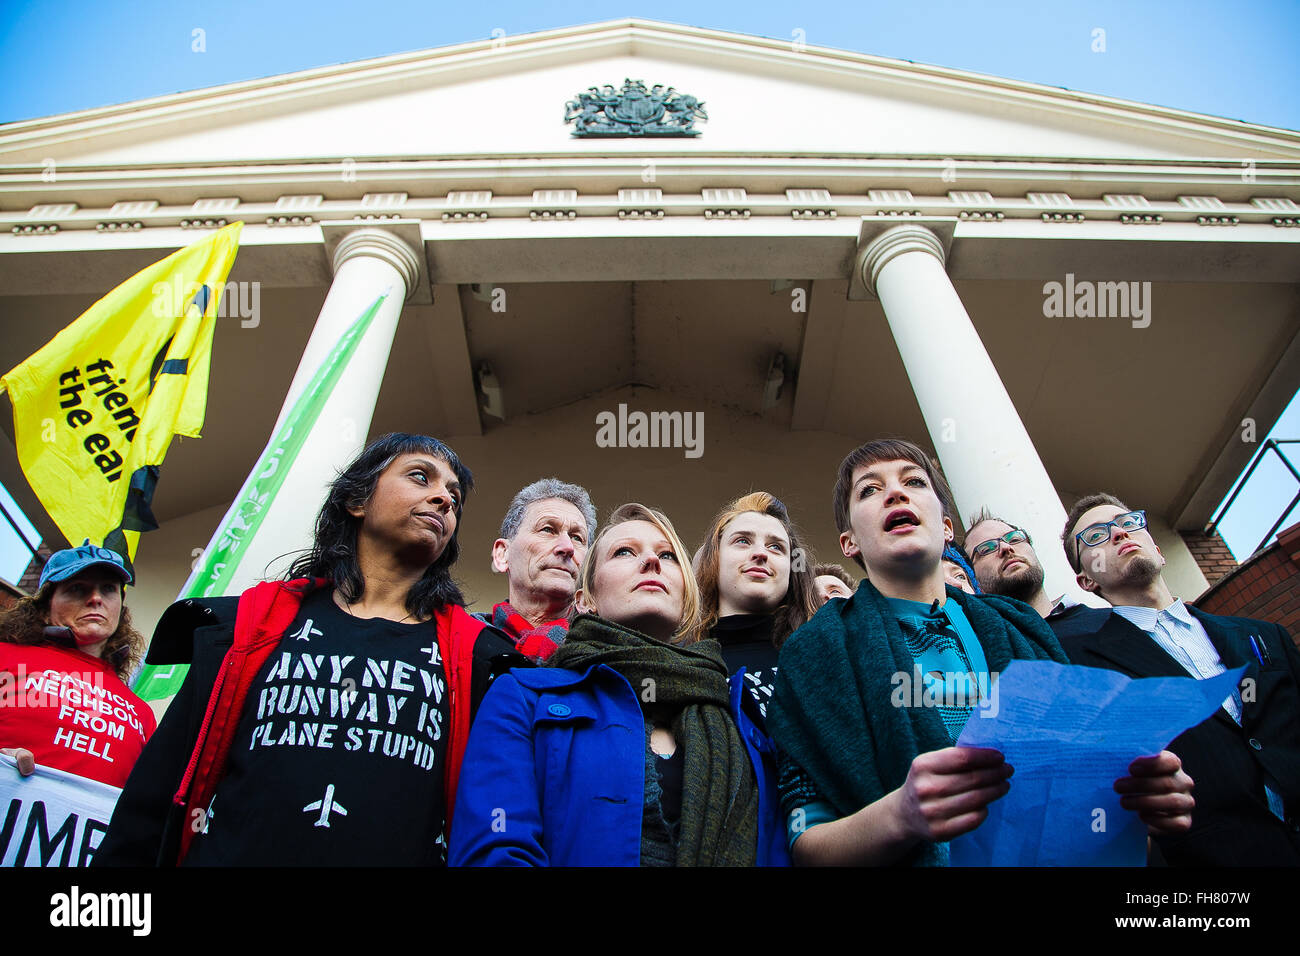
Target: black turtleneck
[[746, 641]]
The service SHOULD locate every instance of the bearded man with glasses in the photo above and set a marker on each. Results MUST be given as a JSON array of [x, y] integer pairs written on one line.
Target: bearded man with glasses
[[1004, 561], [1245, 760]]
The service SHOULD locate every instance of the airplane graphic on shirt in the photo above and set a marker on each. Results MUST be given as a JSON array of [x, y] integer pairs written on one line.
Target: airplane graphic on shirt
[[326, 806]]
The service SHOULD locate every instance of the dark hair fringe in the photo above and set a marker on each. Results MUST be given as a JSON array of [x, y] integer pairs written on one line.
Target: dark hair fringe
[[835, 571], [888, 449], [333, 554]]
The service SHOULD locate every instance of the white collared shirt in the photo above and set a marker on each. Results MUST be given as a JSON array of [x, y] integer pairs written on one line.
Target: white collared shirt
[[1184, 638], [1181, 636], [1062, 604]]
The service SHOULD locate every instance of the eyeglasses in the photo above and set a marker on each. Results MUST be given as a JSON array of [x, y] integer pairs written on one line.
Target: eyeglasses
[[1014, 536], [1095, 534]]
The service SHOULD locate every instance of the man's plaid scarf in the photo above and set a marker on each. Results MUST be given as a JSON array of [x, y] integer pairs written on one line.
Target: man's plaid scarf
[[535, 643]]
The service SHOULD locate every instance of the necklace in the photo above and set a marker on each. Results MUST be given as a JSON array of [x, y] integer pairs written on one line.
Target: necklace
[[340, 599]]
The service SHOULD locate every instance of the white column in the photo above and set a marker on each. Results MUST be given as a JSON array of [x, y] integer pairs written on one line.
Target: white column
[[985, 451], [367, 263]]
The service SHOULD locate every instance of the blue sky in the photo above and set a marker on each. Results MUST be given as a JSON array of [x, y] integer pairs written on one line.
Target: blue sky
[[1229, 59], [1236, 60]]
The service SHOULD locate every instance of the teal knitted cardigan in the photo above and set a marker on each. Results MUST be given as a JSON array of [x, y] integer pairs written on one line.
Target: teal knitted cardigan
[[832, 711]]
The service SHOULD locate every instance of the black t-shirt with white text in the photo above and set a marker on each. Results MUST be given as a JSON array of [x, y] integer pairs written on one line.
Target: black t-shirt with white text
[[338, 759]]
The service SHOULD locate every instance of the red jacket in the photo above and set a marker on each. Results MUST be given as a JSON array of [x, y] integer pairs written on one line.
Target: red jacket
[[265, 611], [143, 831]]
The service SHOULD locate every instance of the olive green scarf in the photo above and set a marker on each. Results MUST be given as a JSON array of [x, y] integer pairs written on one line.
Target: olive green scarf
[[685, 687]]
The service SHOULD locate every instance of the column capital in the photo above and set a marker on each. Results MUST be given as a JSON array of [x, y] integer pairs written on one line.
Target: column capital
[[883, 238], [368, 241], [893, 242]]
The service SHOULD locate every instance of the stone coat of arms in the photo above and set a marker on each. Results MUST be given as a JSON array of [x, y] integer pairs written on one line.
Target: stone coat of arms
[[635, 110]]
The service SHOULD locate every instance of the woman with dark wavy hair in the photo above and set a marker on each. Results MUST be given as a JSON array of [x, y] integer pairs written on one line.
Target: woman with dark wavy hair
[[65, 654], [334, 733], [334, 553]]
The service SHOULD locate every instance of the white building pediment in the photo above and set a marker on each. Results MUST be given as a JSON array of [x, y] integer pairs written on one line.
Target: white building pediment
[[506, 98], [554, 278]]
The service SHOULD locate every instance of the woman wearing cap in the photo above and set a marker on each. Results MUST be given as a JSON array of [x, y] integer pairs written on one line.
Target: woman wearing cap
[[638, 754], [64, 656]]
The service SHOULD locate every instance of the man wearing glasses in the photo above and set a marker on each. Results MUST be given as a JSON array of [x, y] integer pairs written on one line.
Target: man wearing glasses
[[1005, 563], [1245, 759]]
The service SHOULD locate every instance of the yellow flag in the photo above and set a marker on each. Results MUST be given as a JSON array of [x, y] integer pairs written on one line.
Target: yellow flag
[[96, 408]]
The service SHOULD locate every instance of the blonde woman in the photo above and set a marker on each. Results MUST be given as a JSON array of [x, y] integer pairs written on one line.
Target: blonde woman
[[628, 751]]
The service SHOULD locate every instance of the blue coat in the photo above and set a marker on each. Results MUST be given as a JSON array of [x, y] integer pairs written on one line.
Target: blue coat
[[555, 774]]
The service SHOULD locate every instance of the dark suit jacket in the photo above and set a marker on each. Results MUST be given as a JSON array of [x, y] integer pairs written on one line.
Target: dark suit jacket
[[1231, 825]]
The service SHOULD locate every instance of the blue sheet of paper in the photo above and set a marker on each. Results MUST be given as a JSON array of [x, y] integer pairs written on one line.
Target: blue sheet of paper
[[1070, 733]]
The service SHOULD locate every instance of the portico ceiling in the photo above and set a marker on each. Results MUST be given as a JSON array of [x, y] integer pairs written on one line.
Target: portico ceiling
[[1143, 412]]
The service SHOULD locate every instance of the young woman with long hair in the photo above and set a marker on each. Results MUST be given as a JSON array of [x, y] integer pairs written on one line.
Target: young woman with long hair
[[756, 589]]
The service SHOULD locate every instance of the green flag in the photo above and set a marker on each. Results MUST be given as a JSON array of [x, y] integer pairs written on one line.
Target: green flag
[[257, 497]]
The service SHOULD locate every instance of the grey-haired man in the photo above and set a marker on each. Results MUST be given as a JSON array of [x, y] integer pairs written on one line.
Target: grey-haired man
[[544, 538]]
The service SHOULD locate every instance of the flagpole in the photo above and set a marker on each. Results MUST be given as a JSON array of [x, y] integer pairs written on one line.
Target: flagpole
[[96, 408], [212, 575], [228, 549], [323, 422], [17, 530]]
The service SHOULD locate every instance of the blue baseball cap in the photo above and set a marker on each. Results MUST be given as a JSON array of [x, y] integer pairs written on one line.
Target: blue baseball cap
[[72, 561]]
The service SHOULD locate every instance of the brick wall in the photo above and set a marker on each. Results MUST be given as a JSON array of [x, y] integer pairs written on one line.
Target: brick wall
[[9, 595], [32, 576], [1266, 587], [1211, 554]]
